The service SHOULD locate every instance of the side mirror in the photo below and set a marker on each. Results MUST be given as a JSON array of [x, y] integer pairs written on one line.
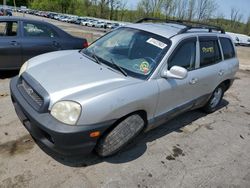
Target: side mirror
[[175, 72]]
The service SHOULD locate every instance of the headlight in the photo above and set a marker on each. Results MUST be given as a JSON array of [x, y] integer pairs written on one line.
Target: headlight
[[67, 112], [23, 68]]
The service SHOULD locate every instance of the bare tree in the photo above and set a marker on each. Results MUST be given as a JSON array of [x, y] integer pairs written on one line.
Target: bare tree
[[181, 11], [247, 26], [112, 4], [103, 6], [191, 9], [235, 17], [205, 9], [156, 7], [167, 7], [145, 7], [119, 6], [123, 9], [150, 7]]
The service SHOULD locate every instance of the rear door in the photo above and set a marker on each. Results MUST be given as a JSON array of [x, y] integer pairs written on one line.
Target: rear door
[[211, 69], [38, 38], [10, 47]]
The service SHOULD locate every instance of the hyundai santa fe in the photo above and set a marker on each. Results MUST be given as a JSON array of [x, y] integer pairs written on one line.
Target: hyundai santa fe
[[129, 81]]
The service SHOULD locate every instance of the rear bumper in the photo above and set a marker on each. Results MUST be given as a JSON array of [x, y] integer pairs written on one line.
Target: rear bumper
[[55, 136]]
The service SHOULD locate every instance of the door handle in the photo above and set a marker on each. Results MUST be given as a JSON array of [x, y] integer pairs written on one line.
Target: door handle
[[193, 81], [14, 43], [56, 44], [221, 72]]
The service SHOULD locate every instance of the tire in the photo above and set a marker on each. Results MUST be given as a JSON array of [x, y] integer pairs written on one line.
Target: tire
[[121, 135], [215, 99]]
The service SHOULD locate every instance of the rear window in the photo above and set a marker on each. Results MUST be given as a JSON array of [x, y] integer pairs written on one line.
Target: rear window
[[209, 52], [227, 48]]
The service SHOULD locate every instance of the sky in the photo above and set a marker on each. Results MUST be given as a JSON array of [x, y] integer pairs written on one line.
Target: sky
[[224, 7]]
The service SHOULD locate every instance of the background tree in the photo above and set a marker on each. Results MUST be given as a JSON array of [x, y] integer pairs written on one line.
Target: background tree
[[191, 9], [197, 10], [167, 7], [235, 17], [205, 9], [247, 26]]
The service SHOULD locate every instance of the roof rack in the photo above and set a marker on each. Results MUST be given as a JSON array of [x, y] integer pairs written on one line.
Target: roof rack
[[188, 24]]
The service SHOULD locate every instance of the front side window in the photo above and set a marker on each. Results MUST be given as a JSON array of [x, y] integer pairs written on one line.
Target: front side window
[[38, 30], [209, 52], [8, 28], [184, 55], [227, 48], [137, 52]]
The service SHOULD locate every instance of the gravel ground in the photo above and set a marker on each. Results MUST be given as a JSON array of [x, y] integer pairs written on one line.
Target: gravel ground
[[193, 150]]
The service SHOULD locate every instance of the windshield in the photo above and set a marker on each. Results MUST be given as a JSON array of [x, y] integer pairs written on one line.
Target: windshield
[[134, 51]]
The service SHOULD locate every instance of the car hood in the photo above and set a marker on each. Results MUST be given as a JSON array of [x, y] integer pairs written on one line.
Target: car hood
[[67, 73]]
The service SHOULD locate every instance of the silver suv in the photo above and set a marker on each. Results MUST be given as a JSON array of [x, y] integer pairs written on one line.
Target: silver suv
[[132, 79]]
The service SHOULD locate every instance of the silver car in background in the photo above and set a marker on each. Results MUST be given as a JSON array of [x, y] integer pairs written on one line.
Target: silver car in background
[[132, 79]]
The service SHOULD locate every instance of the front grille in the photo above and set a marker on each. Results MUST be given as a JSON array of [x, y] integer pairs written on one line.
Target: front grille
[[31, 93]]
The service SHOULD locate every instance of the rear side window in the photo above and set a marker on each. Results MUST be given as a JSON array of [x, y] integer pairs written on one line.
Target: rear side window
[[227, 48], [8, 28], [209, 52], [184, 55], [38, 30]]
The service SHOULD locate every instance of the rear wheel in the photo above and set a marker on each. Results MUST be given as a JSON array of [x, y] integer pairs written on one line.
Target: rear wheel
[[215, 99], [123, 133]]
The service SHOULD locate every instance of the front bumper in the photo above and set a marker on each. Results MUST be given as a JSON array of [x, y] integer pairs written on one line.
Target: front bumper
[[55, 136]]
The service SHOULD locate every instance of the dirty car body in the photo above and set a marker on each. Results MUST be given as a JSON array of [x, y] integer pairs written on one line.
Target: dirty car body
[[147, 69]]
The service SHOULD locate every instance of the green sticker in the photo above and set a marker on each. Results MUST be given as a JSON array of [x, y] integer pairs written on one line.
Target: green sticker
[[208, 50], [144, 67]]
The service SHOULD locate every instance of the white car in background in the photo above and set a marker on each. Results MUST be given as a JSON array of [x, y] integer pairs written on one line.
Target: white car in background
[[84, 22], [92, 23], [234, 37], [244, 40], [100, 24]]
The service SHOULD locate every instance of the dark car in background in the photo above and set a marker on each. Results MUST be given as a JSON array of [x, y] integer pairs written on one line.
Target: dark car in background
[[22, 38], [8, 12]]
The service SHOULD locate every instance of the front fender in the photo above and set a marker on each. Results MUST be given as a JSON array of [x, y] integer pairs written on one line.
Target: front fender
[[120, 102]]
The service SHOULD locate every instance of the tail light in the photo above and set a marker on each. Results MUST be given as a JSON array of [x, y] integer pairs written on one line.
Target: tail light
[[85, 44]]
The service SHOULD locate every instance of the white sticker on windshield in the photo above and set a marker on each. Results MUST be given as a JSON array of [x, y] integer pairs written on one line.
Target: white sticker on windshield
[[156, 43]]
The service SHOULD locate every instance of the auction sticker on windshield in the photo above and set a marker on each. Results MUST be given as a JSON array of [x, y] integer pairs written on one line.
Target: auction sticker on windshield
[[156, 43]]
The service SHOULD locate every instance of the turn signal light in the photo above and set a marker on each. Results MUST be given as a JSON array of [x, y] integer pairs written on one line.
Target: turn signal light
[[95, 134]]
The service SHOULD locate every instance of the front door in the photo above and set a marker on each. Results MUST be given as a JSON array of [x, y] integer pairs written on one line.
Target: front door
[[10, 47], [179, 95]]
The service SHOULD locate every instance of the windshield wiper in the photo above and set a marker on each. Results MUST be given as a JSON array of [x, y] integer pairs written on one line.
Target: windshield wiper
[[119, 68], [96, 58], [89, 54]]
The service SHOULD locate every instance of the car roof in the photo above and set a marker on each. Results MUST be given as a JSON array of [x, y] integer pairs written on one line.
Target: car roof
[[169, 30], [16, 18], [163, 29]]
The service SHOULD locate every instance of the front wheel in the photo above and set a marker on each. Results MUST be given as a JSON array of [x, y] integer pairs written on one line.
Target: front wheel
[[215, 99], [123, 133]]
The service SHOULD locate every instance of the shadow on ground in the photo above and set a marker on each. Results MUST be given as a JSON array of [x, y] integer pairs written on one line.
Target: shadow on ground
[[8, 74], [138, 147]]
